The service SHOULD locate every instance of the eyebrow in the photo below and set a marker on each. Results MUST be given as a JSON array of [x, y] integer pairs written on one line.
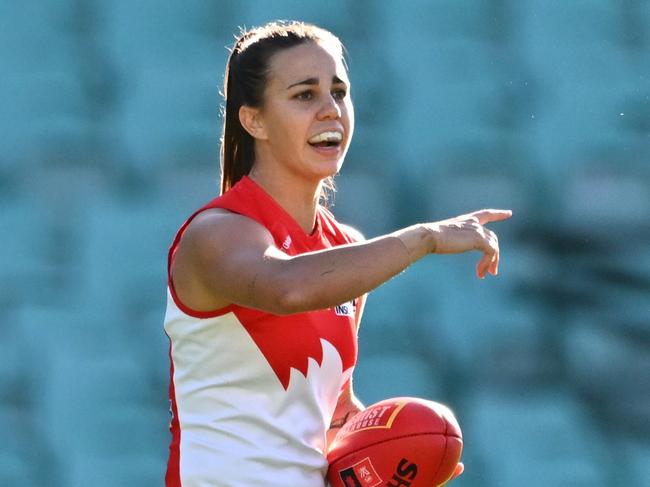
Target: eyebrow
[[314, 81]]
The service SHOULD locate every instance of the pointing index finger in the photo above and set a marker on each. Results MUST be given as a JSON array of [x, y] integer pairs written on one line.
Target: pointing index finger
[[492, 215]]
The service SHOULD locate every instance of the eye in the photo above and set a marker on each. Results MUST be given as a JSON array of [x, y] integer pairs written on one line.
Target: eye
[[339, 94], [305, 95]]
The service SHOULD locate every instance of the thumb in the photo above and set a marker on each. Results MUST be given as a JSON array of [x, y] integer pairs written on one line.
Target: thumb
[[460, 468]]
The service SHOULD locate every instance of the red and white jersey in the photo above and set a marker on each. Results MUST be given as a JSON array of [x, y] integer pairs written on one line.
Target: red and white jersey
[[252, 394]]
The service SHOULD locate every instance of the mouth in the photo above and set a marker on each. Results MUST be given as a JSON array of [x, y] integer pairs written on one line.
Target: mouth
[[327, 142]]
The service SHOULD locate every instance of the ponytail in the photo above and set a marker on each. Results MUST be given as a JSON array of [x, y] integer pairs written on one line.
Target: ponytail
[[237, 145]]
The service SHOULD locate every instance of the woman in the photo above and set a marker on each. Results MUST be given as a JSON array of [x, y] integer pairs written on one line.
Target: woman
[[266, 289]]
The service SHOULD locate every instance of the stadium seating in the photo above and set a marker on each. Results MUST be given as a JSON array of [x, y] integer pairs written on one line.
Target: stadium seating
[[21, 458], [395, 374], [611, 368], [633, 455], [111, 124], [542, 437], [362, 201]]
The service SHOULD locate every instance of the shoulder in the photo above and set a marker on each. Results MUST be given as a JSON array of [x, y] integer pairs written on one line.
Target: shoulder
[[217, 228]]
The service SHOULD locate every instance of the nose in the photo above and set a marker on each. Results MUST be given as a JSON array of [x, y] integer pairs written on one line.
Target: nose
[[330, 109]]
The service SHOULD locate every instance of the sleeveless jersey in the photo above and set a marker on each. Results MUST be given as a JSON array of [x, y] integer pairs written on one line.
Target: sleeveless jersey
[[252, 394]]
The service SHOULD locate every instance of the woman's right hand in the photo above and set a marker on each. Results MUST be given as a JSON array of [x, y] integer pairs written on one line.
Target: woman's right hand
[[468, 232]]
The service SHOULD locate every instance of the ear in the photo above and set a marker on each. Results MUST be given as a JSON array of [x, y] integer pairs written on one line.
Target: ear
[[251, 119]]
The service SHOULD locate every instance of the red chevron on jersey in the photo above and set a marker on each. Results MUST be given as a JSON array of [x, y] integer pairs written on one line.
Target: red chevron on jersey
[[306, 330]]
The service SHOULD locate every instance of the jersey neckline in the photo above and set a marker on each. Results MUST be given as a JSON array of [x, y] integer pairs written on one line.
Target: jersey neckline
[[296, 229]]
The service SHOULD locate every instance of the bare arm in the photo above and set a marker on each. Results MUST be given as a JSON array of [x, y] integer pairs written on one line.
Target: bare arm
[[347, 406], [226, 258]]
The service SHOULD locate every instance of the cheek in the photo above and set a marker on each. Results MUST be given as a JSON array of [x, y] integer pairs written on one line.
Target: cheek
[[350, 112], [287, 137], [279, 133], [347, 108], [347, 116], [290, 127]]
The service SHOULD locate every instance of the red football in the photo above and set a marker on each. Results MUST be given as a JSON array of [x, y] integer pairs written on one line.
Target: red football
[[398, 442]]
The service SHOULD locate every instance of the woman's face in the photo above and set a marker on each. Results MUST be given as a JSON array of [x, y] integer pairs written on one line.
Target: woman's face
[[307, 113]]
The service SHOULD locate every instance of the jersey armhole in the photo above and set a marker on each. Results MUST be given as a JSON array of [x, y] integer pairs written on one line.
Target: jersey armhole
[[170, 284]]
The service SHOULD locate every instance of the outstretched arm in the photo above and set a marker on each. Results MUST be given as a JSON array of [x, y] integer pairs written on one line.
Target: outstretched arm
[[226, 258]]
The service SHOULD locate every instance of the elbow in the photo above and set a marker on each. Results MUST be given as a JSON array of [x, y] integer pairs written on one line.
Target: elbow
[[294, 292], [290, 291], [290, 300]]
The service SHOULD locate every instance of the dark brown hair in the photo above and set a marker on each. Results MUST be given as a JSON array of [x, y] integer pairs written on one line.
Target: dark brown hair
[[245, 81]]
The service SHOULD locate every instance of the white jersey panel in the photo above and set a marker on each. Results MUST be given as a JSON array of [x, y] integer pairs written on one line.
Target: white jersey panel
[[239, 427]]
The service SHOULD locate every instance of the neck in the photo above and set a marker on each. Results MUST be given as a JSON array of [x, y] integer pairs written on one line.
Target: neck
[[299, 198]]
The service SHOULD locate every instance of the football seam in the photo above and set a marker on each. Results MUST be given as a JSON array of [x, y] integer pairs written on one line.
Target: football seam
[[397, 438], [444, 454]]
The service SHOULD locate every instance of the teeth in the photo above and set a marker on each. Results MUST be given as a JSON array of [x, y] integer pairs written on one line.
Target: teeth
[[326, 137]]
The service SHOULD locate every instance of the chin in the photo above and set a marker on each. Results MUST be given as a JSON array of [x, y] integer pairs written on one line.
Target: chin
[[324, 169], [326, 162], [332, 170]]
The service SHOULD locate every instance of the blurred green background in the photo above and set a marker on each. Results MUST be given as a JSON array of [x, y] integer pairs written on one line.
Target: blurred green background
[[110, 123]]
